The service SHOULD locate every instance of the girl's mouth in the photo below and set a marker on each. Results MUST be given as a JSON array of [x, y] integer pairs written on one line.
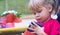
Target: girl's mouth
[[38, 20]]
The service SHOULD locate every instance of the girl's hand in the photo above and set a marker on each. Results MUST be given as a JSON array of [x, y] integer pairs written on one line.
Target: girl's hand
[[37, 29]]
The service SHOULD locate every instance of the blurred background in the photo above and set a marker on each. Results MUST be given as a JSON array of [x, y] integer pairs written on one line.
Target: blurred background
[[19, 6]]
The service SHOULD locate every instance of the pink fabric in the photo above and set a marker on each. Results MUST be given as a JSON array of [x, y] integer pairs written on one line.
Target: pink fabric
[[51, 27], [3, 20], [59, 29], [9, 25]]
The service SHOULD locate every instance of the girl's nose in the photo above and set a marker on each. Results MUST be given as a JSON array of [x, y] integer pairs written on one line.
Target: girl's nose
[[37, 14]]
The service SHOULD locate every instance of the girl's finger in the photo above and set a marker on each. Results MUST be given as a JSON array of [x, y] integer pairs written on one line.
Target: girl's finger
[[34, 24], [33, 32], [31, 29]]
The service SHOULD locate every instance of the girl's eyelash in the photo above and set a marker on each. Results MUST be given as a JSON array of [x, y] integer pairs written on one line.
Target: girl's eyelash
[[34, 13], [39, 11]]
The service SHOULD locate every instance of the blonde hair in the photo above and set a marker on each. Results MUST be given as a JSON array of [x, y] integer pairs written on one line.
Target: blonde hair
[[35, 4]]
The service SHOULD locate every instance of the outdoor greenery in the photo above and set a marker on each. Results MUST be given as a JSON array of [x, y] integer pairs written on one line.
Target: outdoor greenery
[[18, 5]]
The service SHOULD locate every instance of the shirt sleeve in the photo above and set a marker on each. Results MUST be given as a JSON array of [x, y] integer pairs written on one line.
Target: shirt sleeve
[[55, 28], [28, 33]]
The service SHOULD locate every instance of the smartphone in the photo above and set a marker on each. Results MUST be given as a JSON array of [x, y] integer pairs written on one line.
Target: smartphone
[[30, 26], [39, 24]]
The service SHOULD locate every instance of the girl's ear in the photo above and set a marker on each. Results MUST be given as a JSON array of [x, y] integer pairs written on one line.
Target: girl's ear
[[49, 7]]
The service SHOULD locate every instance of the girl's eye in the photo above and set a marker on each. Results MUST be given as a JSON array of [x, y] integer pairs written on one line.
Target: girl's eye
[[39, 11], [34, 13]]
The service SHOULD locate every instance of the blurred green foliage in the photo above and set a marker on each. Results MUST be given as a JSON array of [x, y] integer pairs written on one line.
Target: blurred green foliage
[[18, 5], [19, 14]]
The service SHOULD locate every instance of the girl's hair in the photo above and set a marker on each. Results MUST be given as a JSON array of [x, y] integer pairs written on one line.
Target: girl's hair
[[35, 4]]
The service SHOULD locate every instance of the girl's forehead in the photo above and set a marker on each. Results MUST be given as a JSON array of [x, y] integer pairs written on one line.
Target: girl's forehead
[[37, 8]]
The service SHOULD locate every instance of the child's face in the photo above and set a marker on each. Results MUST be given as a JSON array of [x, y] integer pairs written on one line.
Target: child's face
[[42, 14]]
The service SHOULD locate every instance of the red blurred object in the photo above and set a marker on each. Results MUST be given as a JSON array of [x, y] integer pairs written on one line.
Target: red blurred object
[[13, 18]]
